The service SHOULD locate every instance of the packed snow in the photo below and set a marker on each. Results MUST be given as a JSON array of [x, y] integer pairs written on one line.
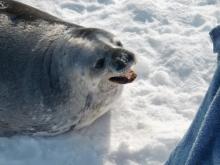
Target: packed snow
[[175, 66]]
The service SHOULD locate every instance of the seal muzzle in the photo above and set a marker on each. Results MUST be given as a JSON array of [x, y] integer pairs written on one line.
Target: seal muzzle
[[121, 62]]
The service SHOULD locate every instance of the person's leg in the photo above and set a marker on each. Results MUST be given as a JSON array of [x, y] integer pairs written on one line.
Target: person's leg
[[198, 144]]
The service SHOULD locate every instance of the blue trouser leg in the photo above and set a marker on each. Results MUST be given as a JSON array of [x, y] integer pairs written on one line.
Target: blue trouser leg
[[198, 146]]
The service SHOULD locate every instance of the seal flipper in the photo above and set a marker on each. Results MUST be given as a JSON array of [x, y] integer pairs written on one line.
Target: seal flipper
[[19, 10]]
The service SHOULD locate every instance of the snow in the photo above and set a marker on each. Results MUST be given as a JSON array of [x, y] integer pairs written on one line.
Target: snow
[[175, 65]]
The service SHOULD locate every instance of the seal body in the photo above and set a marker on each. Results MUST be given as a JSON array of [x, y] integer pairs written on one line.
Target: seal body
[[55, 75]]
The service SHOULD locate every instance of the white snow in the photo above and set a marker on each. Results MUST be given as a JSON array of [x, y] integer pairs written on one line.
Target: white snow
[[175, 65]]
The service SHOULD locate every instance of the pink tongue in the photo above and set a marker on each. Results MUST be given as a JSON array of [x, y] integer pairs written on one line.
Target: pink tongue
[[128, 77]]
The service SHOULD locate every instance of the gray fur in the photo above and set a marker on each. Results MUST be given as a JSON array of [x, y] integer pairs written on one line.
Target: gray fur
[[48, 79]]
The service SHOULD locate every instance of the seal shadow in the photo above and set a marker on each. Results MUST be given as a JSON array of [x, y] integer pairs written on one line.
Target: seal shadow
[[86, 146]]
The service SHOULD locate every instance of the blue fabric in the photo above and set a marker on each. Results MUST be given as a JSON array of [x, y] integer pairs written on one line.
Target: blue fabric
[[201, 144]]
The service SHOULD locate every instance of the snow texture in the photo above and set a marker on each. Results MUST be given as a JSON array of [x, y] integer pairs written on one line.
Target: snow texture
[[175, 66], [201, 144]]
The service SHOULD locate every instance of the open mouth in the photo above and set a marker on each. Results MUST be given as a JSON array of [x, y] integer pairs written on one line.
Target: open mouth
[[124, 78]]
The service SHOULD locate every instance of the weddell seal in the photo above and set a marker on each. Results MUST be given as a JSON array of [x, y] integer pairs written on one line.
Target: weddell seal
[[54, 75]]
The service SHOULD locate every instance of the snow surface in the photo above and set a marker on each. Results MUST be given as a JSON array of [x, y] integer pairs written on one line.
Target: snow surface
[[175, 65]]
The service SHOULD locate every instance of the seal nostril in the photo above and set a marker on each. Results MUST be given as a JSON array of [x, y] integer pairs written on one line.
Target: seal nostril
[[121, 59], [130, 57], [119, 65]]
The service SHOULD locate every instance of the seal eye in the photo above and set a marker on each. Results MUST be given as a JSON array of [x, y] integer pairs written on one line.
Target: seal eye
[[100, 64]]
